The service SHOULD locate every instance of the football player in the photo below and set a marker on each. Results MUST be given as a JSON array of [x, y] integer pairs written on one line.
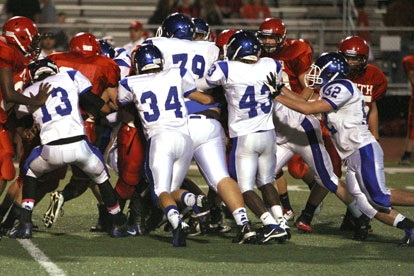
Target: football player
[[253, 156], [84, 56], [343, 108], [202, 30], [63, 145], [296, 59], [408, 64], [159, 98], [175, 41], [19, 44]]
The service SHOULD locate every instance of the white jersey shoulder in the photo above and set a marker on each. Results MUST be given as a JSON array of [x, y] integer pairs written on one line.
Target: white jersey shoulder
[[195, 56], [347, 122], [123, 60], [159, 98], [248, 98], [60, 116]]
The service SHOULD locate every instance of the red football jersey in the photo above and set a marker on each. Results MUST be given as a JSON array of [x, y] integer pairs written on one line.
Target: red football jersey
[[296, 58], [372, 84], [12, 57], [408, 64], [101, 71]]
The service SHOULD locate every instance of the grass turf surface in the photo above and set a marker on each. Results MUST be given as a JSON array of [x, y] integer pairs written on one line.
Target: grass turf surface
[[326, 251]]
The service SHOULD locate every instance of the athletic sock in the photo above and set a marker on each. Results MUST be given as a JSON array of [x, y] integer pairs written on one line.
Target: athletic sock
[[173, 216], [240, 216], [353, 208], [405, 223], [310, 185], [284, 199], [277, 211], [309, 210], [267, 219], [3, 212], [188, 199]]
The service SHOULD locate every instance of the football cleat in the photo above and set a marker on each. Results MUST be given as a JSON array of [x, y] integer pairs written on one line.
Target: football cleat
[[245, 235], [408, 239], [348, 222], [361, 228], [180, 234], [289, 215], [103, 224], [404, 162], [303, 223], [270, 232], [133, 231], [21, 231], [284, 224], [216, 222], [202, 212], [55, 208], [121, 231], [137, 213]]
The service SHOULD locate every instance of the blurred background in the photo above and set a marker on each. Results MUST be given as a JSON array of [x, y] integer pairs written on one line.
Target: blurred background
[[387, 25]]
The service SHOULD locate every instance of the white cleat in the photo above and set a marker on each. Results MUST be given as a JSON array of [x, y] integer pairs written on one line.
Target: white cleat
[[55, 207]]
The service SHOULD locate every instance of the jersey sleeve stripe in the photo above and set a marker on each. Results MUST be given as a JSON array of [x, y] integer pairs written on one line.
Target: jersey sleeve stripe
[[122, 62], [345, 83], [124, 83], [186, 94], [278, 66], [72, 74], [225, 68], [211, 84], [86, 90], [331, 103]]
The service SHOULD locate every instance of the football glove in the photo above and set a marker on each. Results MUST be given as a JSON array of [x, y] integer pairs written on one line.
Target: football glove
[[274, 88]]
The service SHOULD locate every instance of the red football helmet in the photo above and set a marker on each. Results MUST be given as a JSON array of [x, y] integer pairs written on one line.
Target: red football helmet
[[22, 32], [85, 43], [272, 28], [223, 37], [356, 51]]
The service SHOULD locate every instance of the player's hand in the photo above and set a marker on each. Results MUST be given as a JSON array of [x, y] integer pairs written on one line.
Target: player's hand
[[29, 134], [274, 88], [45, 89]]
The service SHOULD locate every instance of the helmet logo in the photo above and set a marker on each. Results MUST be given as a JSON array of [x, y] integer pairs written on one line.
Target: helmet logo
[[87, 48]]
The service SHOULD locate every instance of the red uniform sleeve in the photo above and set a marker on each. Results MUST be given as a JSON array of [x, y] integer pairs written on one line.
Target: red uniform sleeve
[[408, 63], [6, 57], [380, 85], [113, 74]]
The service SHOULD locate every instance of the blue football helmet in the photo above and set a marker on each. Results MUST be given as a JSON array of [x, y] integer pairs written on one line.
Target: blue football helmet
[[328, 67], [177, 25], [148, 57], [202, 28], [107, 49], [40, 67], [243, 45]]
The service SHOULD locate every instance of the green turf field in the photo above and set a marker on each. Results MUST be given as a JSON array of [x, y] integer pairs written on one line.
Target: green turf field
[[327, 251]]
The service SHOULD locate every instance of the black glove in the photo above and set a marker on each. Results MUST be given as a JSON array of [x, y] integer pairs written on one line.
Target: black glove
[[274, 88]]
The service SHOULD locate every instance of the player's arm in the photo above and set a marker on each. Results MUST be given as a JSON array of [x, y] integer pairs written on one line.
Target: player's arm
[[305, 107], [110, 96], [410, 75], [373, 120], [93, 104], [307, 92], [11, 96], [201, 97]]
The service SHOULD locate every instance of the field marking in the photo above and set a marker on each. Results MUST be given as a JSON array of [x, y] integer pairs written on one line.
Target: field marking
[[392, 170], [41, 258]]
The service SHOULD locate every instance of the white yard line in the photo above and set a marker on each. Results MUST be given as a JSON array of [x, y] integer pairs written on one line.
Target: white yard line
[[41, 258]]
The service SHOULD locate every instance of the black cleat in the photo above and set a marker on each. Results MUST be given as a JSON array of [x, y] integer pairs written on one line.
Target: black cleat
[[270, 232], [408, 239], [202, 212], [245, 235], [137, 213], [361, 228], [21, 231], [103, 224], [180, 234]]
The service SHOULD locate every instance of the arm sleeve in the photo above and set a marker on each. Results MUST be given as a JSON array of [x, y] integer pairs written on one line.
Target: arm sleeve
[[125, 95], [82, 82], [89, 100], [337, 94], [218, 74], [188, 84]]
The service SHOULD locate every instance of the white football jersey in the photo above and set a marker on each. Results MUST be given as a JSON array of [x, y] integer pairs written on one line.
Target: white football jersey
[[347, 122], [123, 59], [287, 121], [159, 98], [249, 104], [60, 116]]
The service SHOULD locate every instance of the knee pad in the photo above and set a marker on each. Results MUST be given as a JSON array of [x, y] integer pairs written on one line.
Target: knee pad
[[124, 190], [297, 167]]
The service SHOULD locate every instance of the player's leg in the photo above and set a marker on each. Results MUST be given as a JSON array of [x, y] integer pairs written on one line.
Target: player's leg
[[409, 141], [7, 170]]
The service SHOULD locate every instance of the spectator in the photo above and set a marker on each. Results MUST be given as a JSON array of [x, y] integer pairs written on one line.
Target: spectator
[[210, 12], [27, 8], [62, 41], [48, 15], [363, 22], [135, 35], [255, 9], [164, 8], [189, 8], [47, 45], [229, 8]]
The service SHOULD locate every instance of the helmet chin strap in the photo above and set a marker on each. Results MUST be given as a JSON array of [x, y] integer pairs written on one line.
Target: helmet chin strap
[[235, 53]]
